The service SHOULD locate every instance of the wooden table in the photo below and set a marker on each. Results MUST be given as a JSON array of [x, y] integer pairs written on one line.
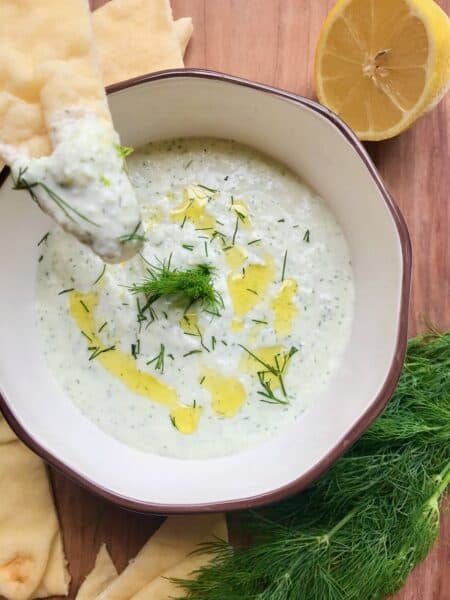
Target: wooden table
[[273, 41]]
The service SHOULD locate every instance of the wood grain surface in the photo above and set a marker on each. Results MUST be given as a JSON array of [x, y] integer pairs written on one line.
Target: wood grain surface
[[273, 41]]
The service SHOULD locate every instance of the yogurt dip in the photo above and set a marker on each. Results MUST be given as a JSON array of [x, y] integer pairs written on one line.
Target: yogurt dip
[[181, 380]]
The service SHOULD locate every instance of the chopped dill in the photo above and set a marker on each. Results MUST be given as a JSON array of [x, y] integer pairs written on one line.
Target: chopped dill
[[105, 181], [192, 352], [158, 359], [236, 227], [281, 220], [213, 342], [189, 163], [124, 151], [136, 349], [206, 248], [103, 326], [101, 275], [260, 322], [96, 351], [252, 291], [189, 247], [174, 423], [254, 241], [41, 258], [86, 336], [240, 215], [43, 239], [306, 236], [208, 189], [202, 379], [224, 343], [183, 222], [83, 304], [283, 271], [65, 291], [171, 356], [134, 236], [267, 393]]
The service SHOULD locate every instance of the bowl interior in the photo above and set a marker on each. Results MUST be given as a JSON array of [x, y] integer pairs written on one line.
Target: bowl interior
[[326, 157]]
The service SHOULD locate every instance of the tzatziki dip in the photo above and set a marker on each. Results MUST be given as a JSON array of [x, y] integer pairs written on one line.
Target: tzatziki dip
[[175, 371]]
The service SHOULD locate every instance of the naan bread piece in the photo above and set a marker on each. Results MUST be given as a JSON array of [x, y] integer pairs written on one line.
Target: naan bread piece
[[177, 537], [136, 37], [56, 579], [103, 573], [46, 57], [28, 524], [183, 30], [161, 588]]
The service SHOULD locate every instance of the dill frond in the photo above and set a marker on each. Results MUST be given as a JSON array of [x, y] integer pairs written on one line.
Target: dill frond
[[194, 284]]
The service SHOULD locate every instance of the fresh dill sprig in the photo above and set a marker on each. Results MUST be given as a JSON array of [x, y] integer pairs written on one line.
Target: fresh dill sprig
[[189, 247], [66, 291], [101, 275], [363, 526], [254, 241], [158, 359], [20, 183], [195, 284]]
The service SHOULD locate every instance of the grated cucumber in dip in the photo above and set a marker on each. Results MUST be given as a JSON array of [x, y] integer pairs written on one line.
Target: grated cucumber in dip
[[182, 379]]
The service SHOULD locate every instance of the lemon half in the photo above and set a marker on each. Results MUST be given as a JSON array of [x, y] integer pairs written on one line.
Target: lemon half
[[380, 64]]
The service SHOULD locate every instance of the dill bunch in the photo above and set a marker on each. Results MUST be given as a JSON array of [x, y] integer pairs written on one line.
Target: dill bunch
[[361, 528], [194, 284]]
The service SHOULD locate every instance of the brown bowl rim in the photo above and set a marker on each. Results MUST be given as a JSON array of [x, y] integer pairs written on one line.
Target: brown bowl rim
[[364, 420]]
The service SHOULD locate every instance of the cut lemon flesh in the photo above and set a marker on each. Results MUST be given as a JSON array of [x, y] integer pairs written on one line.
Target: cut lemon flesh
[[380, 64]]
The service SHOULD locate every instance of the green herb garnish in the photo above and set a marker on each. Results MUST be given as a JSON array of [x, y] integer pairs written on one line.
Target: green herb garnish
[[83, 304], [192, 352], [101, 275], [283, 271], [134, 236], [105, 181], [189, 247], [254, 242], [236, 227], [277, 369], [306, 236], [158, 359], [359, 530], [208, 189], [66, 291], [43, 239], [195, 284], [96, 351], [124, 151], [103, 326]]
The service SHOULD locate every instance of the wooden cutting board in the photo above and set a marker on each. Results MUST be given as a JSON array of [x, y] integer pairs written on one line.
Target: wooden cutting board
[[273, 41]]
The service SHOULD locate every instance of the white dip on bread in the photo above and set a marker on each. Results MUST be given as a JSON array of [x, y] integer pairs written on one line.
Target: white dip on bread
[[83, 185], [191, 380]]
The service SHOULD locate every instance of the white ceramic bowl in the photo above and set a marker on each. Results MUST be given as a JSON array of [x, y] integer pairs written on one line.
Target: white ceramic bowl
[[315, 144]]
